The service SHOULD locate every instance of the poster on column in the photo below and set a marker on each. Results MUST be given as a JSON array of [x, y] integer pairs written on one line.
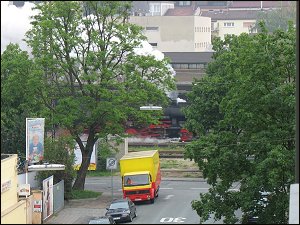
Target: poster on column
[[78, 157], [35, 139], [47, 197]]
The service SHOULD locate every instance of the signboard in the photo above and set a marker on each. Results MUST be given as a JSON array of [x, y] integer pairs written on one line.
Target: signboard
[[111, 163], [24, 189], [5, 186], [47, 197], [78, 157], [37, 206], [35, 139]]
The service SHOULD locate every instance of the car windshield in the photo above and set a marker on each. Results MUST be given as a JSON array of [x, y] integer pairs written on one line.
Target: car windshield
[[119, 205], [99, 221], [136, 180]]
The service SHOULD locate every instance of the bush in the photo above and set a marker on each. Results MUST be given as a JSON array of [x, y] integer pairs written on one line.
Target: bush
[[60, 151]]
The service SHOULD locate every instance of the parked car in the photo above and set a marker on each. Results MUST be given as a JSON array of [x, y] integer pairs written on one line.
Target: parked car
[[122, 210], [102, 220]]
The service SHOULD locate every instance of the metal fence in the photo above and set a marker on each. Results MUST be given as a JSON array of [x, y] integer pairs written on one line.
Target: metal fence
[[58, 196]]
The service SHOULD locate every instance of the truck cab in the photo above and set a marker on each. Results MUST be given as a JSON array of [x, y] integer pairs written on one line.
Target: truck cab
[[140, 176]]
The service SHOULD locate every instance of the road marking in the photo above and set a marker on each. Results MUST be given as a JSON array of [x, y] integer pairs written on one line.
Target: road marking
[[171, 219], [119, 189], [168, 196], [165, 188]]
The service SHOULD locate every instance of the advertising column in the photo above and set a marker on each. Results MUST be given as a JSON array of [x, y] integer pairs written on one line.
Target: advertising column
[[35, 139]]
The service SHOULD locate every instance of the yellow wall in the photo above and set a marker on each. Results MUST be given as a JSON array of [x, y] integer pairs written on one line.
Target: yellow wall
[[12, 210], [15, 214], [9, 172]]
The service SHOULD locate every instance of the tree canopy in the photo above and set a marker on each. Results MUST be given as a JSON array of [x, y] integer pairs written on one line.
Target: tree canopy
[[279, 17], [17, 98], [85, 54], [243, 111]]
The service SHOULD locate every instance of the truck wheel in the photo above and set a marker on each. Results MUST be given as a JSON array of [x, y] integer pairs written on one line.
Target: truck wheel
[[152, 200]]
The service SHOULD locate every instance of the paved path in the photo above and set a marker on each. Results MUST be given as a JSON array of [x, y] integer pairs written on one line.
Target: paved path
[[81, 211]]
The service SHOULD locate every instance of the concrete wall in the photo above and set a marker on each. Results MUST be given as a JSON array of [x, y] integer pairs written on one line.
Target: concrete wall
[[202, 29], [294, 204], [174, 33], [31, 179]]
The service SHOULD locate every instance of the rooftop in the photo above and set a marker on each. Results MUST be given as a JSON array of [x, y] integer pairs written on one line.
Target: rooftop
[[256, 4], [180, 11], [232, 15]]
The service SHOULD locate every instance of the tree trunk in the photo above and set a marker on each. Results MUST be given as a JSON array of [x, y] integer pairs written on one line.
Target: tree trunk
[[86, 157]]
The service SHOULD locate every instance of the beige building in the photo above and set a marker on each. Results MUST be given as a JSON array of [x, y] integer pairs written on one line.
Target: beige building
[[231, 22], [176, 33], [13, 210]]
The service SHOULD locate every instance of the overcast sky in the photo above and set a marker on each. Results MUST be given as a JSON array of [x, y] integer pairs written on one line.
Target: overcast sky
[[15, 22]]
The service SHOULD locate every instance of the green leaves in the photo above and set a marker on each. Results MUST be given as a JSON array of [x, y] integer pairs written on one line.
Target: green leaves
[[18, 98], [244, 114], [85, 53]]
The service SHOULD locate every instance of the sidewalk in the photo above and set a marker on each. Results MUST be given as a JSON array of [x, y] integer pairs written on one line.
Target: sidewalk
[[81, 211]]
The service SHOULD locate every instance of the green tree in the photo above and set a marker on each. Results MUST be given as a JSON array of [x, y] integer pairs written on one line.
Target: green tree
[[244, 114], [60, 151], [88, 65], [17, 98]]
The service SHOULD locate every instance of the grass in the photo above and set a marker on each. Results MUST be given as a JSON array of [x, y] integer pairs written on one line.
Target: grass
[[81, 194], [177, 164], [96, 173]]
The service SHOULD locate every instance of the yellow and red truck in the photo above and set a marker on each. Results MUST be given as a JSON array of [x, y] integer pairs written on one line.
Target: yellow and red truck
[[141, 175]]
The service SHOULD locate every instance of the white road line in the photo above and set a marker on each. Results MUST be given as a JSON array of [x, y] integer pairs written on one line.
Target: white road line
[[119, 189], [165, 188], [168, 196]]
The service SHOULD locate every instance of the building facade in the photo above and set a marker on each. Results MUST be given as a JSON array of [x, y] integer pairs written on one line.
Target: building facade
[[13, 210], [176, 34]]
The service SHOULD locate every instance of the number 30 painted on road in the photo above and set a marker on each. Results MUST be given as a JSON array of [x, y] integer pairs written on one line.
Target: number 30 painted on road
[[174, 220]]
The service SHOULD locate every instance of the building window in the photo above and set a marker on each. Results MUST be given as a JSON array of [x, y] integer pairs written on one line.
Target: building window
[[209, 29], [228, 24], [153, 44], [184, 3], [188, 65], [152, 28]]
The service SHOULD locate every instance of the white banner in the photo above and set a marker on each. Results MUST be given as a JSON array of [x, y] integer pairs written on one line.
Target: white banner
[[47, 197]]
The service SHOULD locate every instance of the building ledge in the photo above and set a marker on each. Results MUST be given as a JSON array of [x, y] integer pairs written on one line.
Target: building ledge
[[13, 207]]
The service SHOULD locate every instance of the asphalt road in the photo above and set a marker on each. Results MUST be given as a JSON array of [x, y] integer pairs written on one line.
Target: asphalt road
[[172, 206]]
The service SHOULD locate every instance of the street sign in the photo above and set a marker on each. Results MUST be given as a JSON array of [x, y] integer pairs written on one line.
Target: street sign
[[111, 163]]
